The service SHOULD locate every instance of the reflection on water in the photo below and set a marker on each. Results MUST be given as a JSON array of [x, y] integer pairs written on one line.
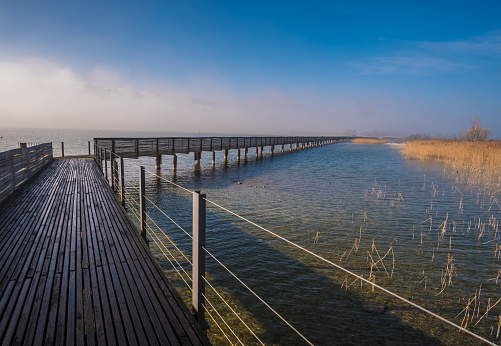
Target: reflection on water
[[406, 225], [424, 236]]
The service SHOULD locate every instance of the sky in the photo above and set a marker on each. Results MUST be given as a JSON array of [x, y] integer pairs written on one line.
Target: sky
[[252, 67]]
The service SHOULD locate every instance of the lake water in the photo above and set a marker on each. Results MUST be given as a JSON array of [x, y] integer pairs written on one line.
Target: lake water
[[350, 203]]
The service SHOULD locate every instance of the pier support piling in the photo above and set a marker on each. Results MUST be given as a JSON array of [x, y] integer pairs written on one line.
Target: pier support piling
[[245, 153], [272, 149], [198, 156], [225, 155], [158, 162], [174, 162], [213, 158], [238, 155]]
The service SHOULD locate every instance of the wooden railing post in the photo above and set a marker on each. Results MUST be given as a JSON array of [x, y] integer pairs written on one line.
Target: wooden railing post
[[198, 268], [88, 144], [142, 202], [105, 166], [113, 171], [101, 159], [62, 149], [122, 181]]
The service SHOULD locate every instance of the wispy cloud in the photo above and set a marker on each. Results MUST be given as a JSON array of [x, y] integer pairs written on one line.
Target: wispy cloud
[[486, 45], [426, 57], [417, 65]]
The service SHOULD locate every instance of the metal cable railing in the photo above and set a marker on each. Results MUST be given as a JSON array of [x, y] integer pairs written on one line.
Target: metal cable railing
[[137, 213]]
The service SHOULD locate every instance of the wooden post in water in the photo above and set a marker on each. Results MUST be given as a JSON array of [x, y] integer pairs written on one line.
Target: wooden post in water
[[158, 162], [142, 202], [198, 156], [261, 151], [282, 148], [122, 181], [272, 149], [213, 158], [245, 153], [257, 151], [88, 145], [174, 162], [199, 206], [238, 155], [62, 149], [290, 147], [225, 155]]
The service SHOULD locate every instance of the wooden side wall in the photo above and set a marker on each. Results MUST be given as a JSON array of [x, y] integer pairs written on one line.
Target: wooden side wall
[[19, 165], [134, 147]]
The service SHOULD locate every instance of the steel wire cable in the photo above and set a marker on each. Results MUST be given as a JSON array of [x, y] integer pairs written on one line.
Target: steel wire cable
[[221, 317], [151, 233], [353, 274], [162, 178], [167, 216], [129, 197], [130, 187], [332, 263], [256, 295], [217, 324], [168, 238], [234, 312]]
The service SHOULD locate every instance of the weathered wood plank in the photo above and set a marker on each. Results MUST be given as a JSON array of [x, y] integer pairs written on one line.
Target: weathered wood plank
[[19, 165], [75, 271]]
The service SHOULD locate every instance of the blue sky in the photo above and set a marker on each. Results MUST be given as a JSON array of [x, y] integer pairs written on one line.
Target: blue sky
[[260, 67]]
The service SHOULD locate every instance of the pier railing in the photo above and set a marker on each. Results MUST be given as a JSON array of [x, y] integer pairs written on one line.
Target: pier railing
[[133, 196], [135, 147], [19, 165]]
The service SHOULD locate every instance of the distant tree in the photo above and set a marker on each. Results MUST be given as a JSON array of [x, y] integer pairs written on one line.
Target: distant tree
[[476, 132]]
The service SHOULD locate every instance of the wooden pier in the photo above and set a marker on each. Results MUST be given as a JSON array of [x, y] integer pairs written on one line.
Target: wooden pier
[[74, 270], [136, 147]]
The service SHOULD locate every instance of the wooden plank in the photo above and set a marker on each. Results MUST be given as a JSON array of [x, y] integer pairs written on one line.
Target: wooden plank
[[79, 272]]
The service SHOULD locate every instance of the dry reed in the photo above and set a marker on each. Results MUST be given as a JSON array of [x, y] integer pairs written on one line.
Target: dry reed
[[369, 141], [481, 160]]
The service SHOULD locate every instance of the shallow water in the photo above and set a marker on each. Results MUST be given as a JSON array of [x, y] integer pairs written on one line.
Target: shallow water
[[324, 199], [321, 199]]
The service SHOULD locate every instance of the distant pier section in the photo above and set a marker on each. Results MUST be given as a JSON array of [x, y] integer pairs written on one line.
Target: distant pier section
[[136, 147]]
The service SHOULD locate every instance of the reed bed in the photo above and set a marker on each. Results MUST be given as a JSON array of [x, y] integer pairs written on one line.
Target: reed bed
[[481, 161], [369, 141]]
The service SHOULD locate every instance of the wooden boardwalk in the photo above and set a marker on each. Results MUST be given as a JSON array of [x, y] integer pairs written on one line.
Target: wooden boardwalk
[[73, 269]]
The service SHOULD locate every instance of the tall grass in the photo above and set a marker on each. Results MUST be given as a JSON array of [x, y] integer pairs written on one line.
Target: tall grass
[[481, 161], [369, 141]]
